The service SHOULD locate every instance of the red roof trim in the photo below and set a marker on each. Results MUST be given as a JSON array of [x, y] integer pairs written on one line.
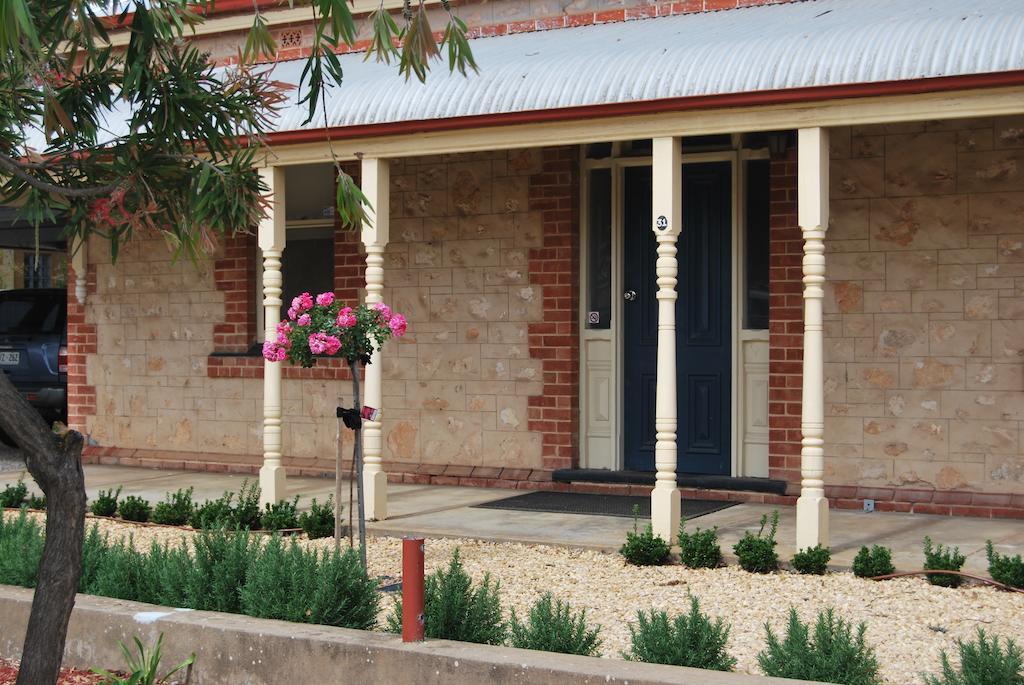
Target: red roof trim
[[680, 104]]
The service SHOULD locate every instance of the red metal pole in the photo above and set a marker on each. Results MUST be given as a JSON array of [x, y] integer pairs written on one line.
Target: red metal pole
[[412, 589]]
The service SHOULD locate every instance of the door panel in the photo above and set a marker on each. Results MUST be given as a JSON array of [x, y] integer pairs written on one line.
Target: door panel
[[703, 316]]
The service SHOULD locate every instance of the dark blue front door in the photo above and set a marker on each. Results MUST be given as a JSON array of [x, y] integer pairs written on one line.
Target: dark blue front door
[[703, 321]]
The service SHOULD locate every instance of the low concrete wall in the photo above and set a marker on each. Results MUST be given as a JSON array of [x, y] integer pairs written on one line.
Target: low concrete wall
[[232, 650]]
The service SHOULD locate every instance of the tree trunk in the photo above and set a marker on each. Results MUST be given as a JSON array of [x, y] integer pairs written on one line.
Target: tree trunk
[[55, 462]]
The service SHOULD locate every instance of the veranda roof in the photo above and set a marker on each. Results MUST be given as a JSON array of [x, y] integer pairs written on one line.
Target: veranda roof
[[769, 48]]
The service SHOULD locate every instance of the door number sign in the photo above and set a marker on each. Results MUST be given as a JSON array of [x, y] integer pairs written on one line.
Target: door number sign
[[661, 223]]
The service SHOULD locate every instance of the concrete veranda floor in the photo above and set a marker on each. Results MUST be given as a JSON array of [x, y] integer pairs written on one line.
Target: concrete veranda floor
[[444, 511]]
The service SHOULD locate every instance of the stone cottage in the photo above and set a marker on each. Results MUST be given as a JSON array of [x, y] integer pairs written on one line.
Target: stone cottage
[[768, 251]]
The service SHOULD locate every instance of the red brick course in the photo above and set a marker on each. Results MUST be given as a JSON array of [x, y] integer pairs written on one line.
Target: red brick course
[[234, 274], [555, 341]]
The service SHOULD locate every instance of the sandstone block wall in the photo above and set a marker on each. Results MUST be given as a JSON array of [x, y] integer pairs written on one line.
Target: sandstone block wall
[[925, 307], [482, 260]]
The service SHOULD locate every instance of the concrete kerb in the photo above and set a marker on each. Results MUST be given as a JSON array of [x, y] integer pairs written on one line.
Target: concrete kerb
[[232, 649]]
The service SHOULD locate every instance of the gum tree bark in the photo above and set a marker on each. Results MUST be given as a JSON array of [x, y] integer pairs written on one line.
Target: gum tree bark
[[55, 462]]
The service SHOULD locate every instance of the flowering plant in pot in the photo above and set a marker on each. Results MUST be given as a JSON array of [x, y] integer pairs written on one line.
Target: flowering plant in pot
[[322, 327]]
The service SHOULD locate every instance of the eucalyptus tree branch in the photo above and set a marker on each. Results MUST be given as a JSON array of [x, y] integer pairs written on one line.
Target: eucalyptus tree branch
[[14, 167]]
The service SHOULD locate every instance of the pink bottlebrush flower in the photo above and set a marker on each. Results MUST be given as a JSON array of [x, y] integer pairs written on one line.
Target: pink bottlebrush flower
[[304, 320], [318, 343], [292, 313], [397, 324], [385, 311], [346, 319], [325, 299]]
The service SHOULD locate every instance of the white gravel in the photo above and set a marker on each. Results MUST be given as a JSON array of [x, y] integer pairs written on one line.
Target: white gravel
[[909, 621]]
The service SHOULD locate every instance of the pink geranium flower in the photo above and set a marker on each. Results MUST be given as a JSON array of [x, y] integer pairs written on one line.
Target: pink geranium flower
[[333, 345], [304, 320], [274, 352], [385, 311], [284, 328], [318, 343], [283, 341], [346, 319], [292, 313], [397, 324], [302, 303], [325, 299]]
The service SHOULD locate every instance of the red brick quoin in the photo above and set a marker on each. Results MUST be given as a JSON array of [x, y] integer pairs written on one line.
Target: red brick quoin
[[81, 343], [555, 341], [785, 326]]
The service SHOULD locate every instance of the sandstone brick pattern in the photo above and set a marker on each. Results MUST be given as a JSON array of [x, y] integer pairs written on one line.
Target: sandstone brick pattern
[[924, 322]]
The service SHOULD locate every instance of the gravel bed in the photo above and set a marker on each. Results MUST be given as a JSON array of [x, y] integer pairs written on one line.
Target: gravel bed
[[909, 621]]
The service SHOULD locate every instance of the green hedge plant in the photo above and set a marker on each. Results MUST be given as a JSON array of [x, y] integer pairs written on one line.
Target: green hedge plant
[[37, 503], [456, 609], [1005, 569], [873, 562], [553, 626], [700, 548], [982, 662], [106, 502], [939, 557], [644, 548], [756, 553], [21, 549], [691, 639], [812, 560], [833, 654]]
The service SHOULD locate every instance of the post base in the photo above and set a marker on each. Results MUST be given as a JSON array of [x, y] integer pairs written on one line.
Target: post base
[[272, 488], [665, 512], [375, 495], [811, 521]]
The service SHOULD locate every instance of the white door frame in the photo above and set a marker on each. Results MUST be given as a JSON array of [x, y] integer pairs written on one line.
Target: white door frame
[[612, 433]]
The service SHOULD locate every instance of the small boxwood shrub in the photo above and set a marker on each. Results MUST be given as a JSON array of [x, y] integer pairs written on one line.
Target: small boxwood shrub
[[982, 662], [247, 513], [13, 496], [756, 553], [318, 522], [943, 558], [1005, 569], [106, 502], [646, 548], [873, 562], [812, 560], [455, 609], [214, 513], [281, 515], [37, 503], [554, 627], [700, 548], [692, 640], [134, 508], [175, 509], [832, 655]]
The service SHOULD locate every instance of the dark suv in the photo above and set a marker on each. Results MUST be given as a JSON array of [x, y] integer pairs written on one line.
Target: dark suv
[[33, 347]]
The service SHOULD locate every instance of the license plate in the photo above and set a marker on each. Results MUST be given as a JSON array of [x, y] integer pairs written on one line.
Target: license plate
[[10, 358]]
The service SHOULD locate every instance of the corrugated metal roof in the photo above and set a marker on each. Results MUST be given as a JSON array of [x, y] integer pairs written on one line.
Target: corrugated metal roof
[[799, 44], [811, 43]]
